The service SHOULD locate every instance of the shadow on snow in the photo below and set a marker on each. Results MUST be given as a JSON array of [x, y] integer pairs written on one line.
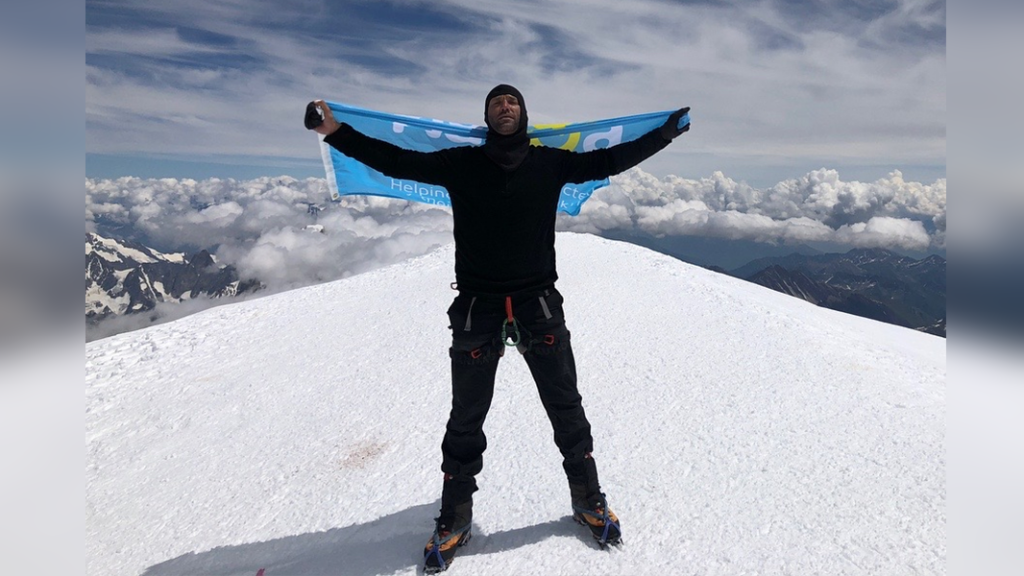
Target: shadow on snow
[[383, 546]]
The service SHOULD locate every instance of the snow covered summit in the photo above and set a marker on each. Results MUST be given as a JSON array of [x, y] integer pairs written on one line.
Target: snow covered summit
[[738, 431]]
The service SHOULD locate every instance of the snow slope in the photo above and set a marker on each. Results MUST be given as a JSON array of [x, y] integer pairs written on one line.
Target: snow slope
[[738, 431]]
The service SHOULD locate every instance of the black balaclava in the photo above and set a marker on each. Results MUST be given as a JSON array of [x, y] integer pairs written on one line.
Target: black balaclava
[[507, 151]]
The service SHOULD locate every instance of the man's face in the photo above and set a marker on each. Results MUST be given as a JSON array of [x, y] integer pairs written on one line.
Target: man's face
[[503, 114]]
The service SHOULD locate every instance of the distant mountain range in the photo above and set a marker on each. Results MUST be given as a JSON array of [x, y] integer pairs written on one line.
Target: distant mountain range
[[124, 277], [874, 283]]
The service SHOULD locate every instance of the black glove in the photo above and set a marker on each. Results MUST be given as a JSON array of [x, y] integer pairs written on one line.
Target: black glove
[[670, 129], [313, 117]]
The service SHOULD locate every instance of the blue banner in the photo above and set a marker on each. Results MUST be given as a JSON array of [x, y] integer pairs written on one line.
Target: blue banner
[[346, 176]]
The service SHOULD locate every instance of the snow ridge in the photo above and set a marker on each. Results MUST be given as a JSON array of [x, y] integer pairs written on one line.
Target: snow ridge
[[738, 431]]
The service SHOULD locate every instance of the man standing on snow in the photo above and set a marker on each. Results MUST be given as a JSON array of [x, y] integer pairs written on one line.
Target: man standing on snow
[[504, 196]]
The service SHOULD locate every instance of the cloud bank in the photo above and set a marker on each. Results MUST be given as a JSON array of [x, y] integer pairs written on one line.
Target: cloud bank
[[817, 207], [263, 226]]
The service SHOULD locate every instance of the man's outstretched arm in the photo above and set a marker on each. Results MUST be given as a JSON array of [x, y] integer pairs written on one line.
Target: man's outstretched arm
[[600, 164], [384, 157]]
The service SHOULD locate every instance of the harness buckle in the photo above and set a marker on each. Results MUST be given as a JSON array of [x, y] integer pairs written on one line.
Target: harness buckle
[[510, 339]]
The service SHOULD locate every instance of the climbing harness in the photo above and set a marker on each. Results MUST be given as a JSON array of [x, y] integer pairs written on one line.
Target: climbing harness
[[510, 340]]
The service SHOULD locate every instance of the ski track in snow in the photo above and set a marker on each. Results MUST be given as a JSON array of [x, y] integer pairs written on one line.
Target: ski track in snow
[[738, 431]]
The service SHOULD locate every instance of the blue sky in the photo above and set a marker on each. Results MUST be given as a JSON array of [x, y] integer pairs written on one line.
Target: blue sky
[[197, 89]]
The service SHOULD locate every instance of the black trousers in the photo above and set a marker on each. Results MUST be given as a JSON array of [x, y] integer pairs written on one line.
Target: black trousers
[[477, 346]]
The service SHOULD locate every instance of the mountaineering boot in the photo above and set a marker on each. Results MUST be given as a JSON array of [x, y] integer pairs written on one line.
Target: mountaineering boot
[[452, 527], [589, 505], [451, 532], [594, 513]]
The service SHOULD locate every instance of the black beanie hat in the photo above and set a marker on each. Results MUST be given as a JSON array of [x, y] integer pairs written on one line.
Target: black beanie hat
[[507, 151], [511, 90]]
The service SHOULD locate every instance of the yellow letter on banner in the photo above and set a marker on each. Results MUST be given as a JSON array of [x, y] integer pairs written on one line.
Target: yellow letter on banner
[[570, 144]]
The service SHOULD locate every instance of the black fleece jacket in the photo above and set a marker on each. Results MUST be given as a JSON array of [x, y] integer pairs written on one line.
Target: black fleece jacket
[[504, 221]]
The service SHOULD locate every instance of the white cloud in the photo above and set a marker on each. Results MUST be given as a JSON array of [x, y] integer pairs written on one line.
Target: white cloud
[[818, 207], [219, 215], [259, 226], [885, 231]]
